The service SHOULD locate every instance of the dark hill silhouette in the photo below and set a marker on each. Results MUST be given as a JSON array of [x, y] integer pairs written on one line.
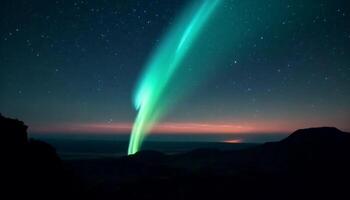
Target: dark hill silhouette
[[12, 126], [30, 168], [313, 149], [309, 164], [317, 136]]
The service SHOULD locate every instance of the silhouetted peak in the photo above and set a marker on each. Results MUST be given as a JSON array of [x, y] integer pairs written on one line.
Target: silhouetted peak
[[325, 135], [13, 131], [319, 130]]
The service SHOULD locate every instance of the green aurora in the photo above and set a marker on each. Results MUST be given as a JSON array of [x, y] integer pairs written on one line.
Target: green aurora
[[203, 39], [164, 63]]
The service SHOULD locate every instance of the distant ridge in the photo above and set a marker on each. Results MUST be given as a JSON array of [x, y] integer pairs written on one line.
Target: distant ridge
[[313, 149], [317, 135], [312, 163]]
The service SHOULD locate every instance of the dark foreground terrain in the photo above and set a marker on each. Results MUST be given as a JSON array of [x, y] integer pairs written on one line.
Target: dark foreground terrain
[[308, 164]]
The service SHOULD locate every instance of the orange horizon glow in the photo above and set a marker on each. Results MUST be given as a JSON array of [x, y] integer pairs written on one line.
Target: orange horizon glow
[[171, 127]]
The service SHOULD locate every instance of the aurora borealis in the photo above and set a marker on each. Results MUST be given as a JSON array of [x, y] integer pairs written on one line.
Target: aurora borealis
[[150, 94], [243, 67]]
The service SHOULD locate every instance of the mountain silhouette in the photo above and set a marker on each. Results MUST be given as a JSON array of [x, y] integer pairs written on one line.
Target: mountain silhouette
[[313, 149], [317, 136], [30, 168], [17, 129], [308, 164]]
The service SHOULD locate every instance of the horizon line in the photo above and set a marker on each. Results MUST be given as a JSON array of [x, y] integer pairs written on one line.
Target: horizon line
[[176, 128]]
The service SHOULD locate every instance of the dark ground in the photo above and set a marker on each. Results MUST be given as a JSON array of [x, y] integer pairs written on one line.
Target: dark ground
[[310, 163]]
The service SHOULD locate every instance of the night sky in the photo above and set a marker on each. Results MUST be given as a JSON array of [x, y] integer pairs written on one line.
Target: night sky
[[259, 66]]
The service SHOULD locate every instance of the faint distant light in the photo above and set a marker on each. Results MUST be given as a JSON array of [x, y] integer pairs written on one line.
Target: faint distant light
[[234, 141]]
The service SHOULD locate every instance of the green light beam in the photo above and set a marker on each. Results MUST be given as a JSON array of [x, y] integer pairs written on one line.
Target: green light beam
[[162, 66]]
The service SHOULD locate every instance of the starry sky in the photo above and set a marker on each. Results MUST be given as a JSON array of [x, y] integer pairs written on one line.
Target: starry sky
[[260, 66]]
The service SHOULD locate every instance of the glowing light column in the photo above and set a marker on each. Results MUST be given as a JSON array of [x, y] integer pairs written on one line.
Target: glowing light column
[[162, 67]]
